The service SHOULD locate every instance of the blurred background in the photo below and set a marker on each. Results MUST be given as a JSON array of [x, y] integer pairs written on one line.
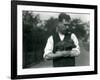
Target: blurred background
[[38, 26]]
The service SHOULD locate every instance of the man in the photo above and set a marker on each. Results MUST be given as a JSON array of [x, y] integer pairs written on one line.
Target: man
[[62, 46]]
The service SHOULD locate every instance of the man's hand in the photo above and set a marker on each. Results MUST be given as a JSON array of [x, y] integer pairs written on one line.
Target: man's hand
[[74, 53]]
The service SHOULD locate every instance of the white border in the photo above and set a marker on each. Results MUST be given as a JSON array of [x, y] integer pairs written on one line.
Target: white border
[[21, 71]]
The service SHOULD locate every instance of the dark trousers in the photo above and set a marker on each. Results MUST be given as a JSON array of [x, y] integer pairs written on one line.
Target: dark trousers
[[64, 62]]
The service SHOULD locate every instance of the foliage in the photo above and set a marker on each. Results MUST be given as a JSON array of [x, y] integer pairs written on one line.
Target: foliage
[[33, 39], [80, 28], [51, 25]]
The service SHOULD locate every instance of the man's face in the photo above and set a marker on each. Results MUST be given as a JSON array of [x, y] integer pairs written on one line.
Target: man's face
[[63, 27], [66, 23]]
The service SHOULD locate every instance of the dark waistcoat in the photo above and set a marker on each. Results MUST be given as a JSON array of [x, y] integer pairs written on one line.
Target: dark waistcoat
[[63, 61]]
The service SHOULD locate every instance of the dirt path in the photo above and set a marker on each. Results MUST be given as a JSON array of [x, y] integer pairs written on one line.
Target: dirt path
[[83, 59]]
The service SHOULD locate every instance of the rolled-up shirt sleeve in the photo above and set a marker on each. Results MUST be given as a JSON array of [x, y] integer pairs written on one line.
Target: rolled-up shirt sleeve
[[75, 51], [49, 46]]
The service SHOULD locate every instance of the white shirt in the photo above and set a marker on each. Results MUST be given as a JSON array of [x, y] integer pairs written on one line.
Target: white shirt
[[50, 44]]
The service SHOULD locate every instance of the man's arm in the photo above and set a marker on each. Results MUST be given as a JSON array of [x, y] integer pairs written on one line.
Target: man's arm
[[57, 55], [75, 51], [48, 52]]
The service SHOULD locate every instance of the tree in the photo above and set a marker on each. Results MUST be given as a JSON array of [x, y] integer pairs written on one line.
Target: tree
[[33, 38], [79, 28], [51, 25]]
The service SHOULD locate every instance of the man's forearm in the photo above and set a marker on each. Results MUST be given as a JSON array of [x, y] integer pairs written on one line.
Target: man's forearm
[[52, 56], [57, 55]]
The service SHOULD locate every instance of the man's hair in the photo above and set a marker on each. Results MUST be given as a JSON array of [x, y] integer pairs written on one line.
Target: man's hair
[[64, 16]]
